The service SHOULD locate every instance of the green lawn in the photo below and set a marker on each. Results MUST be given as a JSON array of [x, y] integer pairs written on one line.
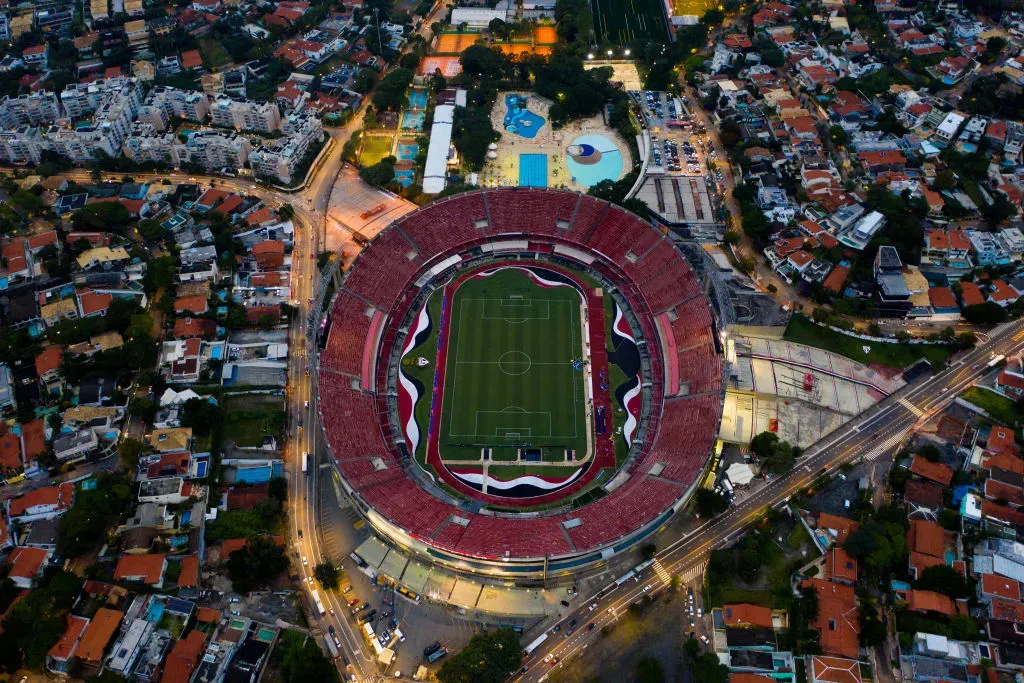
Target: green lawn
[[509, 379], [801, 330], [375, 148], [214, 54], [999, 407], [247, 427]]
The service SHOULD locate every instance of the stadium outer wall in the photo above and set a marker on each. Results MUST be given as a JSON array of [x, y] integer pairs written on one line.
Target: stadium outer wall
[[524, 568]]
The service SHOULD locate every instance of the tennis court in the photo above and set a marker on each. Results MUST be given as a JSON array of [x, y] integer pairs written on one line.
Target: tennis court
[[511, 380], [545, 35], [533, 170], [455, 43], [449, 67]]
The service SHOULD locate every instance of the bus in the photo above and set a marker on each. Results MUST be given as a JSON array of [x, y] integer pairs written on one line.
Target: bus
[[305, 462], [437, 654], [535, 644], [332, 648], [319, 604]]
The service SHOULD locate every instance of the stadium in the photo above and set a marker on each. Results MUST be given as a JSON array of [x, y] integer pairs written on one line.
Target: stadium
[[518, 382]]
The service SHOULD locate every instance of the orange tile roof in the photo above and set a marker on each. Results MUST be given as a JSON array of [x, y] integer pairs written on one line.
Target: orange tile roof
[[98, 634], [836, 279], [839, 565], [745, 614], [842, 526], [56, 496], [800, 258], [1006, 609], [1004, 461], [1001, 440], [261, 215], [194, 327], [184, 657], [149, 567], [1000, 291], [268, 247], [838, 622], [231, 203], [65, 647], [1002, 513], [935, 471], [995, 490], [942, 297], [1010, 379], [49, 359], [930, 601], [970, 294], [33, 436], [190, 304], [189, 577], [42, 240], [919, 562], [191, 59], [211, 197], [94, 302], [1000, 586], [10, 451], [882, 157], [927, 537], [26, 562], [208, 615]]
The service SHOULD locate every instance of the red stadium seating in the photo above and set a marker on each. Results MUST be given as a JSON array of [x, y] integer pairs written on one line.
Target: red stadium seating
[[348, 335], [647, 271]]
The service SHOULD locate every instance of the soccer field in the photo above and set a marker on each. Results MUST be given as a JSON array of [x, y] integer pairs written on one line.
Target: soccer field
[[510, 381], [623, 21]]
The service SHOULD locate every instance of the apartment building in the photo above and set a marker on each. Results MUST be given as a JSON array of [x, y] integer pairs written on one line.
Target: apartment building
[[37, 109], [144, 143], [214, 149], [20, 146], [162, 103], [281, 158], [242, 114]]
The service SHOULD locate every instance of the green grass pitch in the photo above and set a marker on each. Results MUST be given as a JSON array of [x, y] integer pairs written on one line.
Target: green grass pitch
[[509, 379], [623, 21]]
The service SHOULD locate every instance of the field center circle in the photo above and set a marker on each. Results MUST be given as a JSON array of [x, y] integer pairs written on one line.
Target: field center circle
[[514, 363]]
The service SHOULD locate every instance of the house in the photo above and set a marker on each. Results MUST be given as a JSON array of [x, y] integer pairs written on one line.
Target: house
[[926, 542], [995, 586], [194, 327], [97, 636], [746, 615], [184, 657], [838, 621], [932, 471], [825, 669], [26, 564], [1001, 293], [43, 503], [59, 658], [839, 566], [191, 60], [147, 569], [196, 305], [1011, 384], [970, 294], [934, 603]]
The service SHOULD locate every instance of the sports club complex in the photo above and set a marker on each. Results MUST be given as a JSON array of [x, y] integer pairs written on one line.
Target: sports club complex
[[519, 382]]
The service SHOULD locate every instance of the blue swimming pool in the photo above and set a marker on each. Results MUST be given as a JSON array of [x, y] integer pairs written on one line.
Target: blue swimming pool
[[592, 158], [519, 119], [533, 170]]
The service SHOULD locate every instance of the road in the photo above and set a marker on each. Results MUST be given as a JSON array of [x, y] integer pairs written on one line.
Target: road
[[879, 431]]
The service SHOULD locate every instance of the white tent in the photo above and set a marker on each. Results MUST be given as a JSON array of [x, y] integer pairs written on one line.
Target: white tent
[[739, 473]]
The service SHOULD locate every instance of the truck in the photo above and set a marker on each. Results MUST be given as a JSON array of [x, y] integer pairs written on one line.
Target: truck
[[319, 604], [535, 644], [332, 648], [305, 462]]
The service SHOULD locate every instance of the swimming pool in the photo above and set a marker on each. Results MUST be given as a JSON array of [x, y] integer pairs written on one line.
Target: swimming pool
[[519, 119], [592, 158], [533, 170]]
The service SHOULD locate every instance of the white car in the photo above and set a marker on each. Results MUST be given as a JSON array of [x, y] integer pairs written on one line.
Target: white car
[[647, 588], [593, 607], [699, 613], [304, 562]]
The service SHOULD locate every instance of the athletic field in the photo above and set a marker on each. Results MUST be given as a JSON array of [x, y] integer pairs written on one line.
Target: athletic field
[[623, 21], [510, 382], [691, 7]]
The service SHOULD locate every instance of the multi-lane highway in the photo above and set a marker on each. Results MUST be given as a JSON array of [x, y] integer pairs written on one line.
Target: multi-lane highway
[[873, 434]]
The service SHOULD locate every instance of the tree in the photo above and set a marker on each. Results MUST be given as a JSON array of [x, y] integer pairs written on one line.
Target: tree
[[498, 28], [945, 179], [773, 58], [327, 575], [102, 216], [303, 660], [257, 564], [988, 313], [763, 445], [839, 136], [151, 230], [160, 273], [710, 503], [380, 174], [129, 451], [747, 264], [390, 92], [648, 670], [200, 415], [704, 666], [930, 452], [993, 47], [942, 578], [879, 542], [93, 513], [488, 658]]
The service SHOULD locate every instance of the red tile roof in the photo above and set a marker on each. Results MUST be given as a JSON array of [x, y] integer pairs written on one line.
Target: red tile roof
[[970, 294], [94, 302], [744, 614], [839, 565], [825, 669], [838, 622], [1000, 291], [33, 438], [98, 634], [931, 601], [189, 577], [68, 642], [191, 59], [1000, 586], [26, 562], [149, 567], [184, 657], [842, 526], [194, 327], [942, 297], [935, 471], [49, 359], [1001, 440], [190, 304], [927, 537], [57, 497], [836, 279]]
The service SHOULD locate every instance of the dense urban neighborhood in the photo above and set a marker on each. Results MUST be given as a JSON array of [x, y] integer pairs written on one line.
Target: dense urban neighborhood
[[532, 341]]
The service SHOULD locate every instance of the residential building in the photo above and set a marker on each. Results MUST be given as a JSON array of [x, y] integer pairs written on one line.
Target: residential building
[[242, 114]]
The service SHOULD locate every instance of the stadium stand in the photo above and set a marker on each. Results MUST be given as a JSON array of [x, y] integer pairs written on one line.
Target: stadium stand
[[648, 272]]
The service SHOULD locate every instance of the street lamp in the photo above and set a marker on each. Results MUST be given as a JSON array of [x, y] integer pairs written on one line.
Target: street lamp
[[590, 55], [626, 52], [609, 53]]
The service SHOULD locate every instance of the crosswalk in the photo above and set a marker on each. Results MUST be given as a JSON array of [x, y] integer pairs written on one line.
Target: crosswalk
[[661, 572], [902, 400], [885, 446], [694, 573]]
